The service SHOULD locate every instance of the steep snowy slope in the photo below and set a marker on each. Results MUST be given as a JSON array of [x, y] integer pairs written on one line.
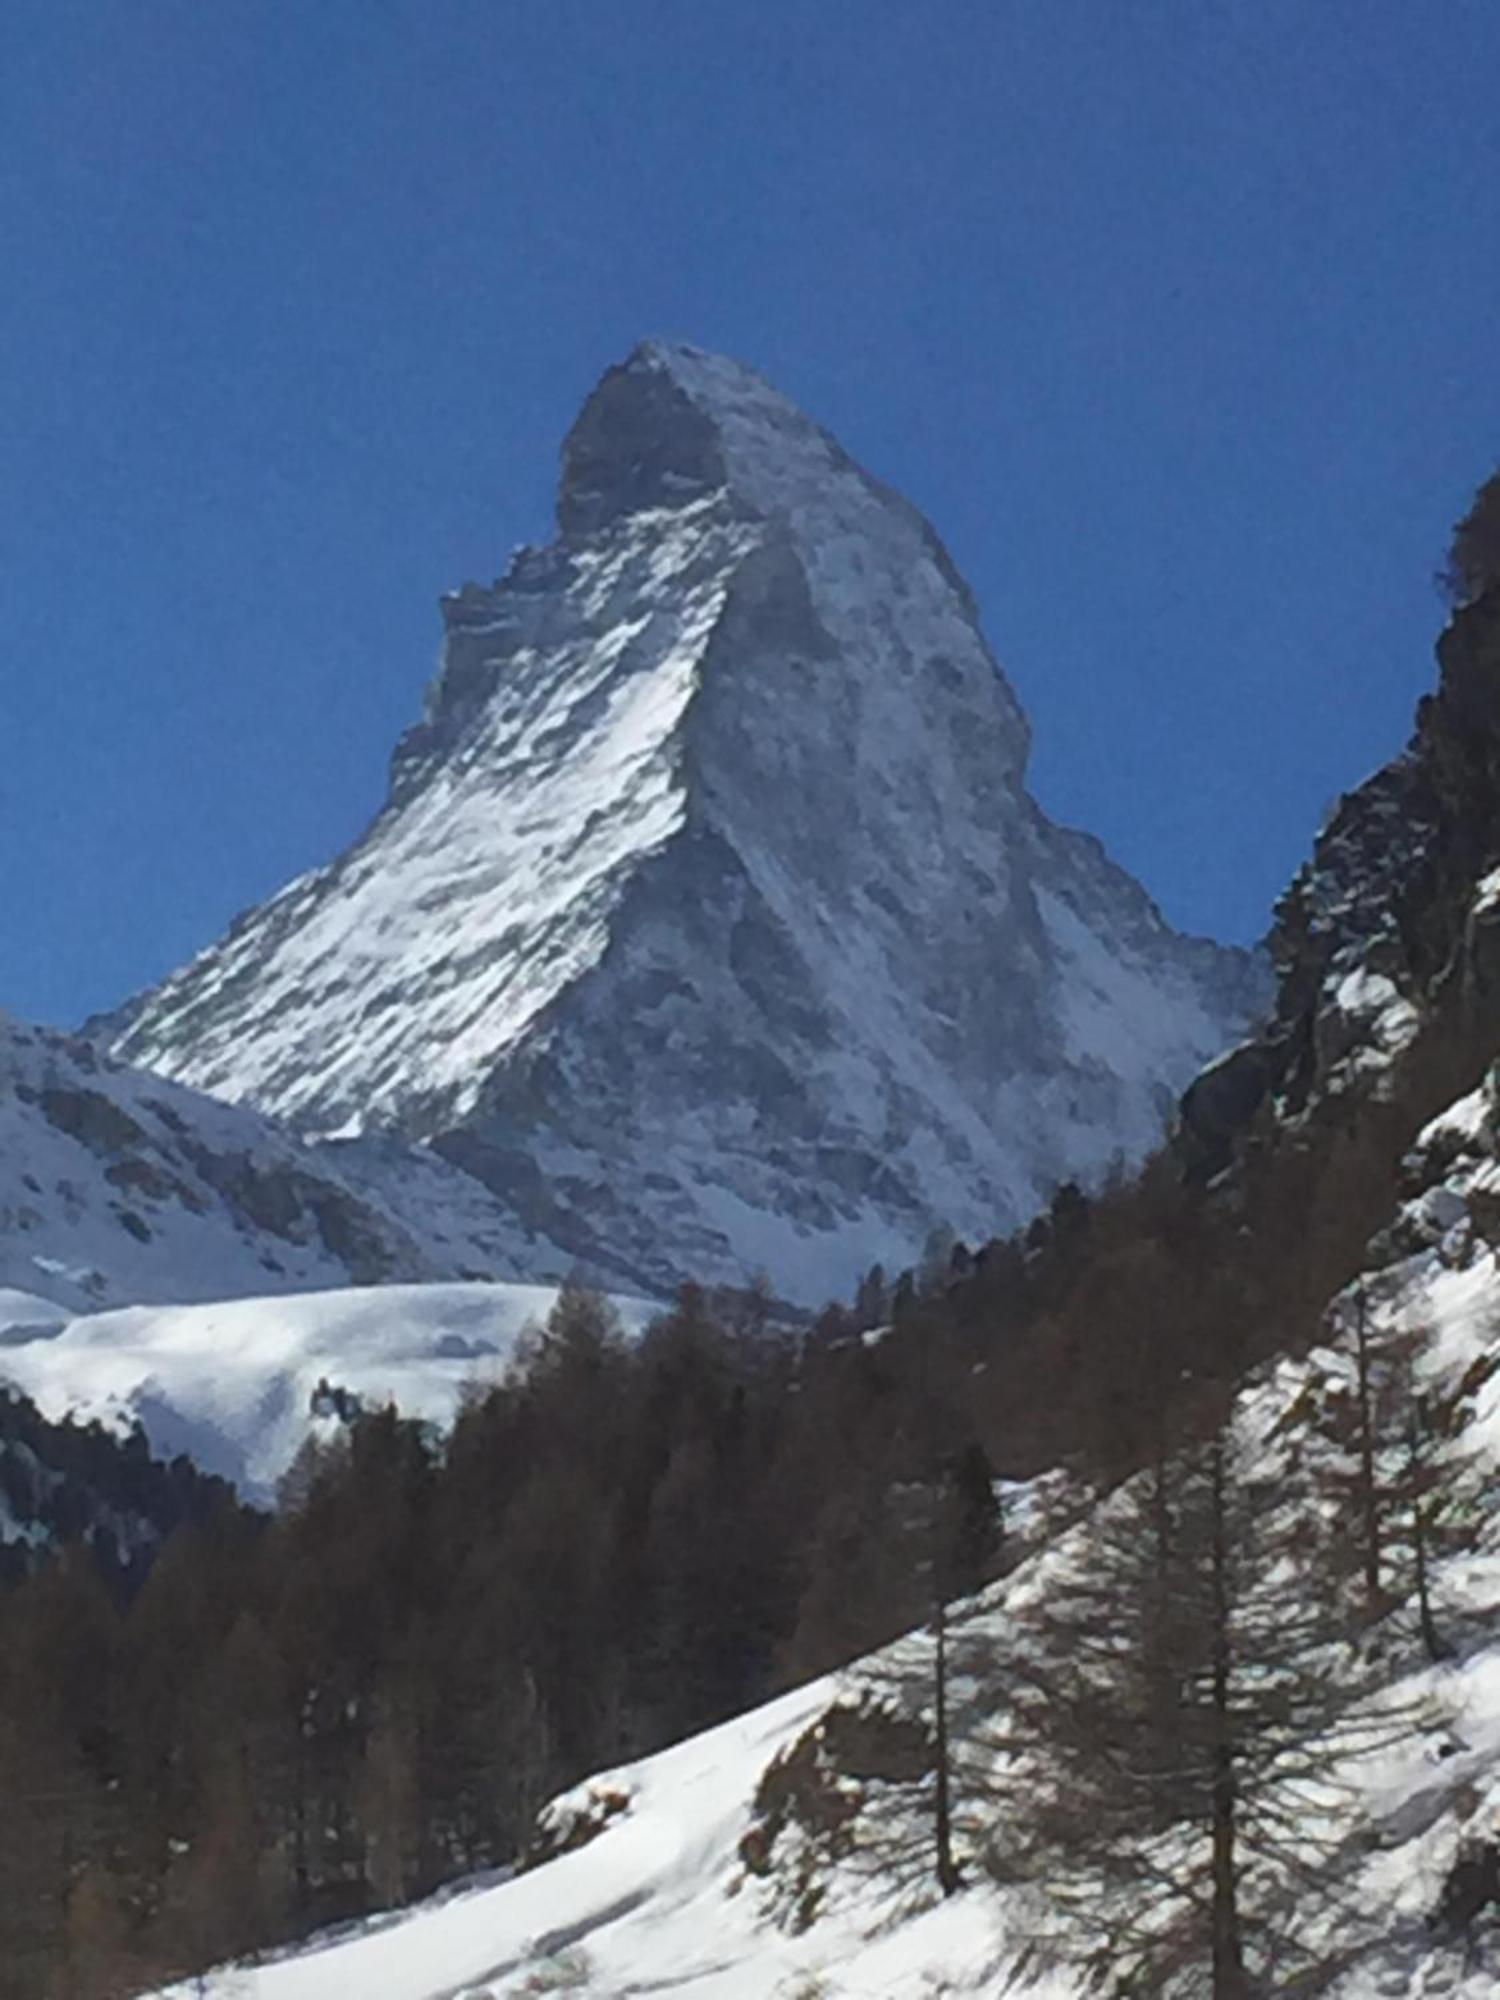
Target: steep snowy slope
[[709, 921], [670, 1894], [116, 1187], [238, 1385]]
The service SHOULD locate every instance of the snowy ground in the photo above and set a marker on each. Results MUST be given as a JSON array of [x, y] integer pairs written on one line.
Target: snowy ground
[[660, 1901], [24, 1316], [656, 1904], [235, 1384]]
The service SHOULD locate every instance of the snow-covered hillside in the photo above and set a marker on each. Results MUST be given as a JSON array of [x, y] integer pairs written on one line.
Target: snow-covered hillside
[[669, 1894], [238, 1385], [709, 921], [658, 1903], [118, 1187]]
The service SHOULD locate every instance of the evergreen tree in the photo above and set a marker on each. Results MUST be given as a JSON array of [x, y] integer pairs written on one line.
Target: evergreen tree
[[1388, 1454], [1187, 1715]]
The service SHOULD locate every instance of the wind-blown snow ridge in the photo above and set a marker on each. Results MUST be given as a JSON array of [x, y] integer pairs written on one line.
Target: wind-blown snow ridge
[[709, 921]]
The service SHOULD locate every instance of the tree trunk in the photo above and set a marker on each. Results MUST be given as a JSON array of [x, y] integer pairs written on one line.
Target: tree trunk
[[1431, 1639], [947, 1869], [301, 1874], [1368, 1492], [1228, 1955]]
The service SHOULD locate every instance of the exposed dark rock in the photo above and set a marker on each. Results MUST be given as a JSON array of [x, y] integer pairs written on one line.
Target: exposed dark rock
[[639, 442], [1219, 1104], [810, 1797], [94, 1120], [1472, 1887], [1392, 893]]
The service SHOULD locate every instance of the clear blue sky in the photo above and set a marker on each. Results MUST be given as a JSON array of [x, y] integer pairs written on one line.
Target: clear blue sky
[[1180, 321]]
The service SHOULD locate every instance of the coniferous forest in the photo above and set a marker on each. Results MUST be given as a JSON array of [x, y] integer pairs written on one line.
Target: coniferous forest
[[280, 1722]]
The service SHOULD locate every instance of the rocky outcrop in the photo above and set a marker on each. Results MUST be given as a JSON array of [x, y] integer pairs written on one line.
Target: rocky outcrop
[[1394, 919]]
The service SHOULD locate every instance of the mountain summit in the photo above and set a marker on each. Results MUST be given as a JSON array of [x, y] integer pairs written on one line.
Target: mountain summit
[[709, 921]]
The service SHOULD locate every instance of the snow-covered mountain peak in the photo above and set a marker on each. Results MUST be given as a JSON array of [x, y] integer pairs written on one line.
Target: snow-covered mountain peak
[[673, 425], [709, 921]]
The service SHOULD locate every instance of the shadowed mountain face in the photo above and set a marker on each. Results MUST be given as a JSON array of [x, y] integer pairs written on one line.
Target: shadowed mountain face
[[709, 921]]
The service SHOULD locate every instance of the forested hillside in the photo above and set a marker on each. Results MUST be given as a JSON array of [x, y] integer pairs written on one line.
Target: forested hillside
[[622, 1544], [69, 1484]]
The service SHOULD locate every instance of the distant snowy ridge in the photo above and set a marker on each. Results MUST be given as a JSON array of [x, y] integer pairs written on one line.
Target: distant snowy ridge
[[709, 921], [239, 1385], [117, 1187]]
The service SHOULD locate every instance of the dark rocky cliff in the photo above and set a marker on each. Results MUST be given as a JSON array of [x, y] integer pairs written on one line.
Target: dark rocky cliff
[[1391, 931]]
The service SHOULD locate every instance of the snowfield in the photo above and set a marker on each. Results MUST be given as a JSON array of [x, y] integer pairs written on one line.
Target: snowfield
[[656, 1904], [239, 1384], [23, 1316], [661, 1902]]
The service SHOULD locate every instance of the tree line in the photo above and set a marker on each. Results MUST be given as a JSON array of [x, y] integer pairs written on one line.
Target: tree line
[[295, 1719], [291, 1720]]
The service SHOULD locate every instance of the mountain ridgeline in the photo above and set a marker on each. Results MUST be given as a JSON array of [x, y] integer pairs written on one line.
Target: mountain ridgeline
[[120, 1188], [709, 922]]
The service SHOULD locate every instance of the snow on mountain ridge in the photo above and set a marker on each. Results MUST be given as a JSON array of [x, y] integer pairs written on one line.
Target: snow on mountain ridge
[[705, 921], [240, 1384], [502, 839], [117, 1187]]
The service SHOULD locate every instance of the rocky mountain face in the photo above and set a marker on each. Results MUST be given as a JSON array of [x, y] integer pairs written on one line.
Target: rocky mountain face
[[709, 922], [117, 1186], [1386, 946]]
